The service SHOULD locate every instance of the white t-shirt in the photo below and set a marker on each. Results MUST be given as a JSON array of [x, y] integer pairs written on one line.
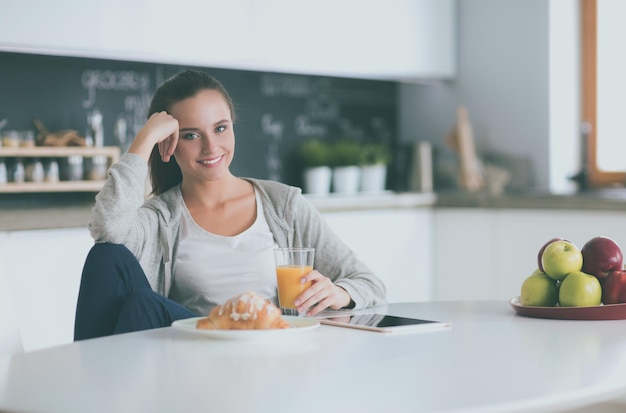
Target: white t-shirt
[[209, 269]]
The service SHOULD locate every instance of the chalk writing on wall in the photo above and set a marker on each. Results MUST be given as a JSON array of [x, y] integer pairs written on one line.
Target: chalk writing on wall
[[275, 112]]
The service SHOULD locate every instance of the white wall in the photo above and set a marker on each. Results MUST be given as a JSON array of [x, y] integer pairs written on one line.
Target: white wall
[[518, 77]]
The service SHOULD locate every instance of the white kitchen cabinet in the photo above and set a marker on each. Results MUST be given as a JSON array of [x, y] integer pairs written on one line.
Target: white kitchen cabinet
[[191, 31], [395, 243], [403, 39], [10, 338], [44, 266], [44, 269], [487, 253]]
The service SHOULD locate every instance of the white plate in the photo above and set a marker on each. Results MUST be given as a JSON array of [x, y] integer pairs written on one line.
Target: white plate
[[297, 325]]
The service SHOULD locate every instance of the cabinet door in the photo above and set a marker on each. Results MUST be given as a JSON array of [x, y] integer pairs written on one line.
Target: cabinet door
[[45, 267], [463, 254], [401, 39], [520, 234], [10, 337], [395, 244], [209, 32], [488, 253]]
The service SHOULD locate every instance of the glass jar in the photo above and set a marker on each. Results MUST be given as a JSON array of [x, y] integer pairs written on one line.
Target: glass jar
[[98, 170], [27, 139], [75, 168], [11, 139]]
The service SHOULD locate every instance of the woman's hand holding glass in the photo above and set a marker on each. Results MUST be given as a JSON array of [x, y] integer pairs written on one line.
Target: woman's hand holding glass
[[322, 294]]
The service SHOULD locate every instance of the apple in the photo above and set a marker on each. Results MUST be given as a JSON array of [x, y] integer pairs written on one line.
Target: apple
[[601, 255], [579, 289], [543, 247], [560, 258], [539, 290], [614, 288]]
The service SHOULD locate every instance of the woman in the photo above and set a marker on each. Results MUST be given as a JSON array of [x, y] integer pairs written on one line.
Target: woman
[[205, 235]]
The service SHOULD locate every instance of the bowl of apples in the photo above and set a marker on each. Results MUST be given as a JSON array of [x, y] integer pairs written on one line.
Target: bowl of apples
[[587, 283]]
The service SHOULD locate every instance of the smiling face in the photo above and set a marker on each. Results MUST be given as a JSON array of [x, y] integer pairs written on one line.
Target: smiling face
[[206, 142]]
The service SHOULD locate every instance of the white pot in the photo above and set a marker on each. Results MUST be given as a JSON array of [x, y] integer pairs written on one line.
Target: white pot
[[373, 178], [346, 179], [317, 180]]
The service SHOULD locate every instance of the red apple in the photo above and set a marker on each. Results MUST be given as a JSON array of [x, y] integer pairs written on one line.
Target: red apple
[[601, 255], [543, 247], [614, 288]]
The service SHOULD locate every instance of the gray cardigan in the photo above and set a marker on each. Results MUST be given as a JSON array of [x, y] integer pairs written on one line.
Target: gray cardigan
[[150, 229]]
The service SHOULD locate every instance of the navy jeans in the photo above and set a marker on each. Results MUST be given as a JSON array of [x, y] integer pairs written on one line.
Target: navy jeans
[[115, 296]]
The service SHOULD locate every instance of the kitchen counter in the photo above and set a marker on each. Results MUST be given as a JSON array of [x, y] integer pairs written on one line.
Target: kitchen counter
[[44, 211], [51, 212], [607, 200], [54, 213], [368, 201]]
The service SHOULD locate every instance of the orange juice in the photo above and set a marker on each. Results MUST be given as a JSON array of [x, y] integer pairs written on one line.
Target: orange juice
[[289, 286]]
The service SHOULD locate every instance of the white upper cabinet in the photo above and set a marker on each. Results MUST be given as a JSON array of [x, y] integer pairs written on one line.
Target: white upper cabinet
[[377, 39], [202, 32], [399, 39]]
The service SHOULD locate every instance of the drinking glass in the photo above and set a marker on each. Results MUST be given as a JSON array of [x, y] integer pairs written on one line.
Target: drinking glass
[[291, 265]]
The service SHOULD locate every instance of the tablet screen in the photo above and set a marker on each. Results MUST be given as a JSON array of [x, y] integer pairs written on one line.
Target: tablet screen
[[382, 322]]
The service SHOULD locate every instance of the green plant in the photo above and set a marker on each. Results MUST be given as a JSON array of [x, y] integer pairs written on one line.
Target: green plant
[[314, 152], [375, 154], [346, 153]]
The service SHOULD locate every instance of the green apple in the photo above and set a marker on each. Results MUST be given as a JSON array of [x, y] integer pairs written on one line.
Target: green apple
[[580, 289], [560, 258], [539, 290]]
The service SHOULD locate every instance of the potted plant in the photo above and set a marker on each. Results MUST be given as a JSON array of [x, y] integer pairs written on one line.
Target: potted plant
[[315, 157], [375, 158], [347, 157]]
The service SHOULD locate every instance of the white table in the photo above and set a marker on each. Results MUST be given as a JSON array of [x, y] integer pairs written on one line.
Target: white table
[[491, 360]]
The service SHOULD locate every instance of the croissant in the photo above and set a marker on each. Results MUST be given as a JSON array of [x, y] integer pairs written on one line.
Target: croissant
[[246, 311]]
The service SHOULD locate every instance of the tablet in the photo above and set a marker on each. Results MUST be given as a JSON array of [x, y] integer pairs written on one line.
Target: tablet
[[384, 323]]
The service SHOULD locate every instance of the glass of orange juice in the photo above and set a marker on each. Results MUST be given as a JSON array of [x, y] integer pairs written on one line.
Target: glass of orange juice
[[291, 265]]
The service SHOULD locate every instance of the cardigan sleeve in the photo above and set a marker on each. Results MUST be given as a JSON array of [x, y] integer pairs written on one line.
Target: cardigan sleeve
[[117, 216]]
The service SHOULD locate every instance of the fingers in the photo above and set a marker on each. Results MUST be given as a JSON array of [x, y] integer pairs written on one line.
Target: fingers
[[167, 148], [161, 129], [321, 295]]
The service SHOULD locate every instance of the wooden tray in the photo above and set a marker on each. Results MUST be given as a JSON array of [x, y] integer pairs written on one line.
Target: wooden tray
[[600, 312]]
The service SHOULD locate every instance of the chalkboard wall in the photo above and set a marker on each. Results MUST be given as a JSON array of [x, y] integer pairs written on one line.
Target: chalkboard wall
[[275, 112]]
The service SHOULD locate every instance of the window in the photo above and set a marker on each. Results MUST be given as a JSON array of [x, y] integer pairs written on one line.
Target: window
[[603, 72]]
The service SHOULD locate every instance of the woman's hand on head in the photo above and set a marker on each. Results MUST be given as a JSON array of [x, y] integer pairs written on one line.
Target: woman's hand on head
[[161, 129], [321, 295]]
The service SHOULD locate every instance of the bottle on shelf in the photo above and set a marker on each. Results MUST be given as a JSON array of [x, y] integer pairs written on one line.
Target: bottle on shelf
[[18, 173], [4, 178], [34, 171], [52, 171]]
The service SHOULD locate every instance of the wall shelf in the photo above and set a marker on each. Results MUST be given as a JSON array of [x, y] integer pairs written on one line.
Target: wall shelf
[[112, 153]]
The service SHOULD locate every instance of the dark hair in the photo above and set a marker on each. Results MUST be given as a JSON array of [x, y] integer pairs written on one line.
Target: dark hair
[[165, 175]]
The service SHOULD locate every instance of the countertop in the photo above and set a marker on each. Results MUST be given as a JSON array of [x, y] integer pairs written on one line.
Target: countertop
[[490, 360], [607, 200], [55, 213], [52, 213]]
